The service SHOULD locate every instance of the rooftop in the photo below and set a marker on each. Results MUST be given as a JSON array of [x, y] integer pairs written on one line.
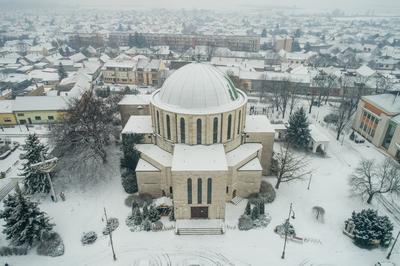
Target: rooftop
[[40, 103], [140, 99], [242, 153], [389, 103], [156, 153], [258, 124], [140, 124], [199, 158]]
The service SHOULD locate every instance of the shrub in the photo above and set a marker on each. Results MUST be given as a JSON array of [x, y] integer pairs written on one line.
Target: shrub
[[89, 238], [147, 225], [280, 229], [245, 222], [51, 245], [267, 192], [157, 226], [262, 221], [172, 214], [331, 119], [138, 200], [255, 212], [9, 251], [370, 229], [129, 182], [154, 216], [112, 224]]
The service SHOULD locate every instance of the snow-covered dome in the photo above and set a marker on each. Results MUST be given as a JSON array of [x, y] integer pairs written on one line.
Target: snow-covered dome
[[198, 86]]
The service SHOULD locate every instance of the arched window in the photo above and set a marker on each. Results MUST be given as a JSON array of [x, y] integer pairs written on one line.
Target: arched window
[[229, 129], [209, 190], [189, 190], [240, 117], [215, 130], [199, 191], [168, 128], [183, 136], [158, 122], [198, 130]]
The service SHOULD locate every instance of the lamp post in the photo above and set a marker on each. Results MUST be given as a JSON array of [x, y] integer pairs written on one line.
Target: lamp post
[[395, 241], [110, 235], [287, 223]]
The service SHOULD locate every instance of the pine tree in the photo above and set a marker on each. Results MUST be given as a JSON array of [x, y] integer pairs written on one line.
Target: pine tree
[[262, 207], [137, 216], [34, 181], [153, 214], [298, 132], [24, 222], [255, 213], [145, 211], [146, 225], [62, 74], [247, 210]]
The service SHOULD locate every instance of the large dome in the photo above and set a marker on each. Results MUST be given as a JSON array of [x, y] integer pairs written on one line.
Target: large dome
[[198, 86]]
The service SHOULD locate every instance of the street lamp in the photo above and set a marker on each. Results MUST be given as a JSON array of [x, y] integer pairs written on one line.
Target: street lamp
[[395, 241], [286, 226]]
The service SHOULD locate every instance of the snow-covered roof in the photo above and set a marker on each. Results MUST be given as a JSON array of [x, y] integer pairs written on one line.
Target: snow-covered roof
[[144, 166], [259, 124], [242, 153], [140, 124], [253, 165], [156, 153], [365, 71], [140, 99], [199, 158], [6, 106], [317, 135], [389, 103], [40, 103]]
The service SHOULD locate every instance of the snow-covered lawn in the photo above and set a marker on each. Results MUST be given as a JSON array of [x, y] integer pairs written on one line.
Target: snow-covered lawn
[[83, 212]]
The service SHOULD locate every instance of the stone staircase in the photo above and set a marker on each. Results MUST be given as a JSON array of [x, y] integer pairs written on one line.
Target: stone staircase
[[236, 200], [199, 227]]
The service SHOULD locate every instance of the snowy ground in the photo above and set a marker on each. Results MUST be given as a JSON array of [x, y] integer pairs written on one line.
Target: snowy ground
[[329, 188]]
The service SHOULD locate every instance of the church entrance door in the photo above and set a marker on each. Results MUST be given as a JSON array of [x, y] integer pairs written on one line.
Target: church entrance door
[[199, 212]]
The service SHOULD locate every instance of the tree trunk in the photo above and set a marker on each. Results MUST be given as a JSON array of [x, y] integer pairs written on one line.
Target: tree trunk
[[277, 184], [309, 110], [369, 200], [338, 135]]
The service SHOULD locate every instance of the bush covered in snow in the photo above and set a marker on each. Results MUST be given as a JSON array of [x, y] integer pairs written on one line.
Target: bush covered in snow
[[88, 238], [138, 200], [262, 221], [157, 226], [112, 224], [280, 229], [129, 182], [245, 222], [11, 251], [331, 118], [146, 225], [51, 245], [267, 194], [370, 229]]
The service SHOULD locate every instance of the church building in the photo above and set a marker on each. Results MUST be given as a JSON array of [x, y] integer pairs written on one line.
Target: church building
[[200, 147]]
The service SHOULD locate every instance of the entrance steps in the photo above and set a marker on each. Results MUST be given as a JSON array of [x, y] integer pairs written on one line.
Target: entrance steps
[[236, 200], [200, 227]]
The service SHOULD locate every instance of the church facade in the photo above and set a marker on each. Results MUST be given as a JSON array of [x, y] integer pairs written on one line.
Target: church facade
[[200, 146]]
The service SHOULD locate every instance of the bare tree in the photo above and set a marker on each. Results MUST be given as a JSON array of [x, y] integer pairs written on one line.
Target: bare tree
[[288, 166], [294, 99], [370, 179], [284, 95], [86, 129], [319, 212]]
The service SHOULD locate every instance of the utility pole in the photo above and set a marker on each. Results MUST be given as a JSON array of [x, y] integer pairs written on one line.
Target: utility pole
[[309, 182], [286, 231], [109, 233], [395, 241]]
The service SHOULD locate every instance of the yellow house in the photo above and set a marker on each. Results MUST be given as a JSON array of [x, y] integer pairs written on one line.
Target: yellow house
[[39, 109], [7, 117]]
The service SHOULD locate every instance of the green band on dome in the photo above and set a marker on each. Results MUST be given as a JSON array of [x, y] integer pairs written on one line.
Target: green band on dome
[[232, 89]]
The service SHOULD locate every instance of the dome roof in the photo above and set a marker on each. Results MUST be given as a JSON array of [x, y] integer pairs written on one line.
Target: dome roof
[[197, 86]]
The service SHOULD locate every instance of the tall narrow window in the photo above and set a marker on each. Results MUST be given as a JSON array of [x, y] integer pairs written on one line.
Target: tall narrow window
[[199, 191], [168, 128], [215, 130], [158, 122], [209, 190], [240, 118], [229, 129], [198, 130], [189, 190], [183, 136]]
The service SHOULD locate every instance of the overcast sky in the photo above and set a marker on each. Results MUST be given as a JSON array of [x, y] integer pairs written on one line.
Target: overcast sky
[[314, 4]]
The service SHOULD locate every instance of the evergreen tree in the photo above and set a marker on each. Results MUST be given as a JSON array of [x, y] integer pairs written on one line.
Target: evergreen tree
[[24, 222], [146, 225], [247, 210], [255, 213], [34, 181], [137, 216], [262, 207], [154, 216], [131, 155], [145, 211], [62, 74], [172, 215], [264, 33], [298, 132]]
